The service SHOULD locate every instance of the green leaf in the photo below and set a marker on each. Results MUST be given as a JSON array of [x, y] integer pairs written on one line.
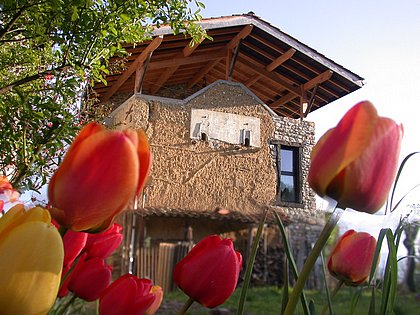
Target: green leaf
[[285, 293], [327, 291], [312, 307], [391, 276], [250, 264], [355, 300], [291, 260], [372, 301]]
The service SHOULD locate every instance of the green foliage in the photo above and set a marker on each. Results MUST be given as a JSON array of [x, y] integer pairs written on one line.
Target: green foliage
[[267, 300], [51, 53]]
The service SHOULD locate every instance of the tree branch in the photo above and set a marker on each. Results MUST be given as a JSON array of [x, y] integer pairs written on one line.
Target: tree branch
[[6, 88]]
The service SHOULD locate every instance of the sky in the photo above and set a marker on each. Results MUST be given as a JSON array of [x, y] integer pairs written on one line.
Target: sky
[[378, 40]]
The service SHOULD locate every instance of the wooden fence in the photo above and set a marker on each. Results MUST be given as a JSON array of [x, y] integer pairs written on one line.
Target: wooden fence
[[158, 260]]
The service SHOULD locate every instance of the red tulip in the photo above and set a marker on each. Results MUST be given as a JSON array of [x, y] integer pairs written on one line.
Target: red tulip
[[355, 163], [210, 271], [104, 244], [352, 257], [90, 278], [100, 174], [127, 295], [73, 242]]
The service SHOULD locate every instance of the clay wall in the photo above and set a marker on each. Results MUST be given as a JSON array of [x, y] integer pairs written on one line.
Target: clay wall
[[207, 175]]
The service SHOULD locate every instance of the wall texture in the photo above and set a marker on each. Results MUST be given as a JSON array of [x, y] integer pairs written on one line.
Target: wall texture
[[203, 176]]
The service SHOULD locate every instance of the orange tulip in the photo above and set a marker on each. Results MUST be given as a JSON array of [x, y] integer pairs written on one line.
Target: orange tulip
[[355, 162], [352, 257], [101, 173]]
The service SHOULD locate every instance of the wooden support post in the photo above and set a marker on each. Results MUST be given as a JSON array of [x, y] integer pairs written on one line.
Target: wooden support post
[[140, 73], [233, 61]]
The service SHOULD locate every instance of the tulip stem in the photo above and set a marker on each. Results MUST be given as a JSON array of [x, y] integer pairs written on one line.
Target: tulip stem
[[186, 306], [333, 294], [250, 264], [313, 256]]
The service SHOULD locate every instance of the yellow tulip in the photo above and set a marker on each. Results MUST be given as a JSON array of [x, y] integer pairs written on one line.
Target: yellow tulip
[[31, 258]]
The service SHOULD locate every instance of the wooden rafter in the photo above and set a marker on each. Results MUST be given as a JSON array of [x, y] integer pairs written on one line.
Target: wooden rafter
[[273, 76], [132, 68], [232, 44], [280, 60], [326, 75], [179, 61], [140, 73], [273, 65], [185, 53], [241, 35], [203, 71]]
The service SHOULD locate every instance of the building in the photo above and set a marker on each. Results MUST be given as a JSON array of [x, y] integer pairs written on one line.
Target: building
[[227, 128]]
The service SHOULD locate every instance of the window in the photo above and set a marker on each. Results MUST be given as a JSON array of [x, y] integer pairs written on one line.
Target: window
[[288, 171]]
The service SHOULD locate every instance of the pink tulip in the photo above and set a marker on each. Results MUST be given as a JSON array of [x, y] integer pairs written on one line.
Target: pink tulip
[[355, 162], [210, 271], [90, 278], [352, 257], [127, 295], [100, 175], [105, 243]]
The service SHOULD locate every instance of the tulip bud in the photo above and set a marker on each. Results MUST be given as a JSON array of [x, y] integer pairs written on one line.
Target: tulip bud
[[355, 163], [352, 257], [210, 271], [90, 278], [31, 256], [101, 173], [105, 243], [127, 295]]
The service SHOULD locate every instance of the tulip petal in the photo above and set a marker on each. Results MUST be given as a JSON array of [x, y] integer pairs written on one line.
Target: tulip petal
[[89, 187], [31, 260], [145, 158], [112, 302], [90, 278], [366, 182], [341, 146], [158, 293]]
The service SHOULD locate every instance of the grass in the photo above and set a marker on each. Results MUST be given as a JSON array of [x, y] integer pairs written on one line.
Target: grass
[[267, 300]]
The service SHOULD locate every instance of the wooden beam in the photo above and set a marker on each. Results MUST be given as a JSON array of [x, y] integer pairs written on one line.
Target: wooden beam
[[179, 61], [189, 49], [252, 80], [203, 71], [185, 53], [275, 77], [140, 73], [241, 35], [273, 65], [232, 44], [132, 68], [283, 100], [277, 62], [325, 76]]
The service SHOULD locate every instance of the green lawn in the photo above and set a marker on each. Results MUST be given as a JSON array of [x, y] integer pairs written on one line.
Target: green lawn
[[266, 300]]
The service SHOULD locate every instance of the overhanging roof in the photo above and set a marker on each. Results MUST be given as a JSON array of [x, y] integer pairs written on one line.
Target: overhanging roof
[[290, 77]]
